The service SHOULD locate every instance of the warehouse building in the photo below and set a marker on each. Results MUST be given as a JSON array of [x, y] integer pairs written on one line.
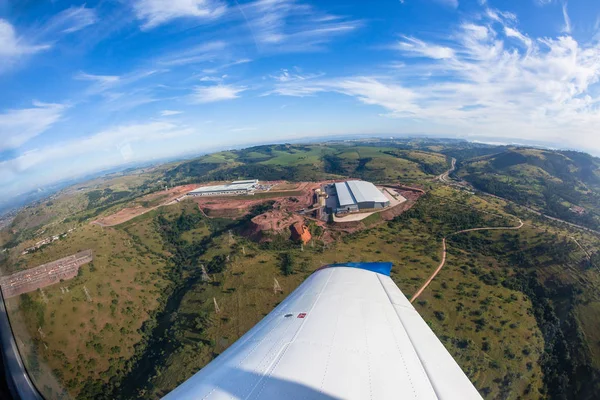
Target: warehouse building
[[354, 196], [234, 188]]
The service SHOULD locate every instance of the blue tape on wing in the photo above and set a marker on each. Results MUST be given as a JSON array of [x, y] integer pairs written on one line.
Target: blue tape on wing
[[383, 268]]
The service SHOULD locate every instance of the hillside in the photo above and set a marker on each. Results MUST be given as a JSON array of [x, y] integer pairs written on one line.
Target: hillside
[[555, 182], [381, 161]]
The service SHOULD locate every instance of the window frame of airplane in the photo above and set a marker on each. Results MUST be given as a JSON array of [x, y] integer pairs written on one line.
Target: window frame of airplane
[[17, 379]]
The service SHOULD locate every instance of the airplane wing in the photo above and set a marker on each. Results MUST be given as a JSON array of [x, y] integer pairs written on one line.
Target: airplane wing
[[347, 332]]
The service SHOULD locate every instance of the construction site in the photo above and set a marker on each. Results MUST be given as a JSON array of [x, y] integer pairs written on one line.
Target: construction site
[[332, 205], [44, 275], [296, 204]]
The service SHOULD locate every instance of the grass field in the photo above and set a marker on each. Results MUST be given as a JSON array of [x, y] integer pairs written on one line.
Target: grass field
[[455, 305], [84, 339]]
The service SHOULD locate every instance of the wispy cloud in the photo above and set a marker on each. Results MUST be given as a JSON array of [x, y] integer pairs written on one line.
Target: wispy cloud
[[104, 83], [567, 27], [213, 78], [493, 80], [101, 80], [167, 113], [286, 75], [71, 20], [211, 94], [288, 26], [106, 148], [158, 12], [419, 48], [218, 68], [204, 52], [18, 126], [12, 46]]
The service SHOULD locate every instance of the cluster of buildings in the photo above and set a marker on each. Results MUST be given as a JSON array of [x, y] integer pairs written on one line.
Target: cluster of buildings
[[46, 241], [246, 187], [354, 196]]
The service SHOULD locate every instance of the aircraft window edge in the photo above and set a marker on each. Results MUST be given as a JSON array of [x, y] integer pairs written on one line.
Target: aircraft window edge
[[18, 380]]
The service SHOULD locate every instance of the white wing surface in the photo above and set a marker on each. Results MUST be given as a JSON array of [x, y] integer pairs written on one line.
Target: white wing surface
[[347, 332]]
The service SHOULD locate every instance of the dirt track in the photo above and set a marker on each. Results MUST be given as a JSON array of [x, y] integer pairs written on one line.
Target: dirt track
[[163, 197], [439, 268]]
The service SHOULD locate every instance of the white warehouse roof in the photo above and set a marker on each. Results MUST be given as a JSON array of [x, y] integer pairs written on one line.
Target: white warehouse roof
[[343, 194], [253, 181], [224, 188], [355, 192], [365, 192]]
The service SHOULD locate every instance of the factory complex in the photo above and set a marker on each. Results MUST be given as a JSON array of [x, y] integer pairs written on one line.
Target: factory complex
[[246, 187], [353, 196]]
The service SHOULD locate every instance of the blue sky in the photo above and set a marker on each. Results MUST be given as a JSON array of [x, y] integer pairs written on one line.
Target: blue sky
[[86, 86]]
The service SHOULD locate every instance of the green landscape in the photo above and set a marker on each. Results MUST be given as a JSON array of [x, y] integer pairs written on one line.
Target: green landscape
[[518, 309]]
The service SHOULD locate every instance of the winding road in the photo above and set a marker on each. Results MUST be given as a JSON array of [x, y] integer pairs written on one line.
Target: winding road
[[445, 178]]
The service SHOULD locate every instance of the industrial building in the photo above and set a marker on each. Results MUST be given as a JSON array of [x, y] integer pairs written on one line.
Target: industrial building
[[353, 196], [236, 187]]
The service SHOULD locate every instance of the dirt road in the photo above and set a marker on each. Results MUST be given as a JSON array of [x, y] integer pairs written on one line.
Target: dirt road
[[439, 268]]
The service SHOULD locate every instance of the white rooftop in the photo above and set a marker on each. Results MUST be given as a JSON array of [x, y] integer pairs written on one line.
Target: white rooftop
[[353, 192], [366, 191], [223, 188], [343, 194]]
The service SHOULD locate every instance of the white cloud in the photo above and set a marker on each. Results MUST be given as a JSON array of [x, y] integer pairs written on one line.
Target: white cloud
[[72, 20], [567, 27], [212, 79], [286, 76], [495, 81], [13, 46], [226, 65], [204, 52], [513, 33], [114, 87], [210, 94], [107, 148], [288, 26], [420, 48], [18, 126], [104, 148], [166, 113], [158, 12], [101, 80]]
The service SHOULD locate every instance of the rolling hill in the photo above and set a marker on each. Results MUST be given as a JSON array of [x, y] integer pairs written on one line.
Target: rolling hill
[[555, 182]]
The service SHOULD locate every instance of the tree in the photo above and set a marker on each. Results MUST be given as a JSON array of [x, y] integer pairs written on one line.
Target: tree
[[287, 264]]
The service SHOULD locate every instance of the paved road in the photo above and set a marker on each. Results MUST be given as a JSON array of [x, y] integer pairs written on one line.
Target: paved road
[[439, 268], [445, 176]]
